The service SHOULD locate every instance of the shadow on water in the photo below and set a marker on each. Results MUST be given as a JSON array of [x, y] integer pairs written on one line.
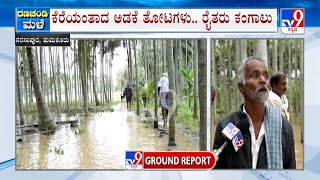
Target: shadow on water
[[101, 146]]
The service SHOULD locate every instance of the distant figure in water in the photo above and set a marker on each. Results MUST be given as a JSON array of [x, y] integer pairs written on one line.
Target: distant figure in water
[[128, 94]]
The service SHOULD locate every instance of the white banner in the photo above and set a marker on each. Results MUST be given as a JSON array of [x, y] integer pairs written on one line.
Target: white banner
[[163, 20]]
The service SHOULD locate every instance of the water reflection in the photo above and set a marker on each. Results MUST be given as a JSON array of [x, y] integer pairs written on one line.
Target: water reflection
[[102, 146]]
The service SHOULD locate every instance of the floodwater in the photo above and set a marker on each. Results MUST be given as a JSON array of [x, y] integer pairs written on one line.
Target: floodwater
[[101, 146]]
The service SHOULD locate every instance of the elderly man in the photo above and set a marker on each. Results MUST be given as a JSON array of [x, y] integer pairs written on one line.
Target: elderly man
[[268, 141], [277, 97]]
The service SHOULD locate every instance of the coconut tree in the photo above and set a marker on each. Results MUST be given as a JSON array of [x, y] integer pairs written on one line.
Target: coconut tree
[[46, 121]]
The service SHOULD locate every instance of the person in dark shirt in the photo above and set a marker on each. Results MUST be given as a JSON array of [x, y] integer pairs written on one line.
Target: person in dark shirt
[[128, 94]]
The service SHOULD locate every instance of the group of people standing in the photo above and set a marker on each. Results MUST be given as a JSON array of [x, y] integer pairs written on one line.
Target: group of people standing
[[163, 92]]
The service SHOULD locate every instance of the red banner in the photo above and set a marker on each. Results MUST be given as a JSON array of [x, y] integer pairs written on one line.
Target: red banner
[[178, 160]]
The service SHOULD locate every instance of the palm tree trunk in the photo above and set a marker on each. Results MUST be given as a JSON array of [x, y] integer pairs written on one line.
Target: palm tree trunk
[[110, 78], [281, 52], [47, 79], [180, 66], [195, 86], [93, 75], [275, 56], [289, 73], [155, 86], [24, 59], [137, 80], [54, 80], [213, 76], [243, 55], [75, 72], [297, 92], [301, 45], [18, 93], [145, 60], [238, 59], [229, 45], [130, 63], [176, 60], [164, 67], [65, 79], [41, 68], [262, 51], [213, 85], [101, 75], [46, 121], [105, 79], [202, 73], [85, 76], [58, 79], [82, 71], [172, 127]]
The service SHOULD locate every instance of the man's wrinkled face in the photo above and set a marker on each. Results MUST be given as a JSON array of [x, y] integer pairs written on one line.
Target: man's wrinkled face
[[256, 82]]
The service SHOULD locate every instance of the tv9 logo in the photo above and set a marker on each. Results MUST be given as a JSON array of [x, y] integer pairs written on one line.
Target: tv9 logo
[[292, 21], [134, 160], [237, 141], [230, 131]]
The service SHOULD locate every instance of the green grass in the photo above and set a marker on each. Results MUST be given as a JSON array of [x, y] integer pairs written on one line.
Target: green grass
[[185, 115], [116, 98], [31, 116], [73, 107]]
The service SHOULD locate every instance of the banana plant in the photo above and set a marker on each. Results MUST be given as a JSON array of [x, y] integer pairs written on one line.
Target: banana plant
[[148, 91], [189, 76]]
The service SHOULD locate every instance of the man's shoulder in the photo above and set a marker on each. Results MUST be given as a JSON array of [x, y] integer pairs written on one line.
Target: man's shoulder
[[274, 96], [165, 79], [162, 79]]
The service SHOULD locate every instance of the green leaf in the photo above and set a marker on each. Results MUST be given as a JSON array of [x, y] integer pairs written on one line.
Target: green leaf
[[185, 73], [149, 92], [191, 74]]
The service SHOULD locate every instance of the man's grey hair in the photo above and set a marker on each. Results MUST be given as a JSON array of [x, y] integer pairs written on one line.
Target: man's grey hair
[[244, 62]]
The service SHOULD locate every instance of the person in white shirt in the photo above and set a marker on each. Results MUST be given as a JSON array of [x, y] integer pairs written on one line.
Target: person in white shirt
[[163, 91], [277, 97]]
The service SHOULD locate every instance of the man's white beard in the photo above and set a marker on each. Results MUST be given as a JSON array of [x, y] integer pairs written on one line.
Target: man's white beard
[[257, 96]]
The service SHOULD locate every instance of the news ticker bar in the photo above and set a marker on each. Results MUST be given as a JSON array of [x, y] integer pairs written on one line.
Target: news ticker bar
[[42, 39], [145, 20], [169, 160]]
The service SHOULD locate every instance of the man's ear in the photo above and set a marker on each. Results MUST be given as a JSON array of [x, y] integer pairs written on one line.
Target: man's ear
[[241, 87]]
